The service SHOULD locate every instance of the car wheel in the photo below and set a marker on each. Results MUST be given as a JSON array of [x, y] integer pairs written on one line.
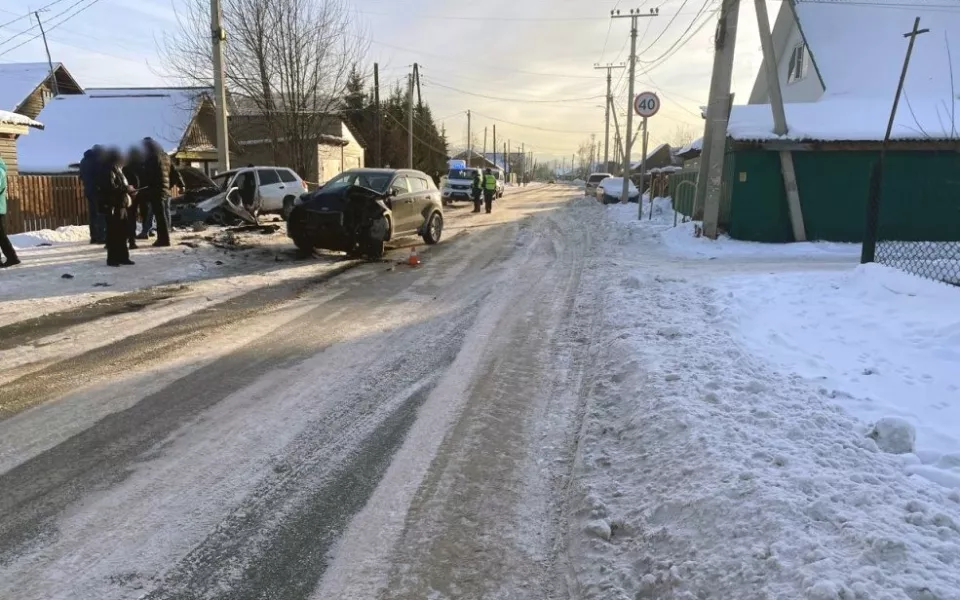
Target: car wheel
[[433, 229], [287, 207]]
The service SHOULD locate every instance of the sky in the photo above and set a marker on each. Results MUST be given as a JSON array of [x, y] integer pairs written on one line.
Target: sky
[[534, 59]]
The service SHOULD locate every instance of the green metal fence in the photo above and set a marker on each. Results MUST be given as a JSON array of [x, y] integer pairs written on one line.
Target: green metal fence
[[682, 188]]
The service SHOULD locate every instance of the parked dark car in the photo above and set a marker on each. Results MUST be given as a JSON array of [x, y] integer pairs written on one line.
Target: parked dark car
[[361, 209]]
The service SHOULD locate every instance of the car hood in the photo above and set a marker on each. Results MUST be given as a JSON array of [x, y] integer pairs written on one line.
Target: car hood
[[459, 182], [195, 179], [336, 198]]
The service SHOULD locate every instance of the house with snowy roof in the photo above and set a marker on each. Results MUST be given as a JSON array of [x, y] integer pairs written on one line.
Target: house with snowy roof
[[838, 66]]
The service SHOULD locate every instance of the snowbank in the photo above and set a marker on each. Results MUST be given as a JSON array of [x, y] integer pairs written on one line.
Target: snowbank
[[874, 340], [47, 237], [681, 241], [720, 476]]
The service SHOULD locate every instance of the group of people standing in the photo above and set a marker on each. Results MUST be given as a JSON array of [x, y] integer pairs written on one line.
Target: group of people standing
[[119, 187], [484, 182]]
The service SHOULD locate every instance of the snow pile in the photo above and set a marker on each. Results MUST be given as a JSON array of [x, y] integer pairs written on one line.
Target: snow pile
[[682, 240], [47, 237], [721, 477], [876, 341]]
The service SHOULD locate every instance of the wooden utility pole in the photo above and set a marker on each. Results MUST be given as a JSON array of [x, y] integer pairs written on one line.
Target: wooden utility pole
[[53, 80], [633, 16], [378, 156], [494, 144], [868, 252], [780, 122], [484, 144], [710, 180], [219, 35], [469, 142], [608, 103], [410, 119]]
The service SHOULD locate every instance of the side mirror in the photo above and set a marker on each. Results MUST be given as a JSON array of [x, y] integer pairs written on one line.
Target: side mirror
[[394, 192]]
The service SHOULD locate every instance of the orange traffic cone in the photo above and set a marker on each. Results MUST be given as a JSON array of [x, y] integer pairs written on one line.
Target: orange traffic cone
[[414, 259]]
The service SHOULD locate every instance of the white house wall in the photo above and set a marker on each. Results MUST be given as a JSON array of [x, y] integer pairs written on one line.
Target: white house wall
[[786, 36]]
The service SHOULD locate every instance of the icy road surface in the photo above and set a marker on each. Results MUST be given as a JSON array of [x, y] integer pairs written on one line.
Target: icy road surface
[[374, 431]]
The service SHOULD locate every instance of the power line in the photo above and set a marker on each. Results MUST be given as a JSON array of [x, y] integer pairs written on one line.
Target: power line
[[561, 100], [497, 18], [29, 14], [52, 27], [530, 126], [415, 136]]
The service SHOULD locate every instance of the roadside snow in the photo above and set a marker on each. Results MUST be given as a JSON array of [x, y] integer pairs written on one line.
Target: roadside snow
[[876, 341], [714, 458], [49, 237]]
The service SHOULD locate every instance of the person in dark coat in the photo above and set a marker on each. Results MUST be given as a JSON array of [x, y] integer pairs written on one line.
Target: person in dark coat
[[90, 166], [114, 193], [156, 181], [131, 170]]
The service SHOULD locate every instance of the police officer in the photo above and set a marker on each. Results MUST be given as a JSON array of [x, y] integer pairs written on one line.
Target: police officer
[[477, 190], [489, 189]]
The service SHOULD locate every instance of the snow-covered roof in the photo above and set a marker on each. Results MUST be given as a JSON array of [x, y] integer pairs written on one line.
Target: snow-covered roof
[[650, 154], [858, 47], [694, 146], [12, 118], [119, 117], [19, 80], [849, 119]]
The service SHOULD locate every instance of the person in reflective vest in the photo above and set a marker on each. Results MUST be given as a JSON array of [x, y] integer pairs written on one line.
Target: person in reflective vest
[[489, 189], [477, 189]]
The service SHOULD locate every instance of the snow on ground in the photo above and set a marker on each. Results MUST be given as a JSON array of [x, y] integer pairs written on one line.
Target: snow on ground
[[49, 237], [714, 465], [877, 341]]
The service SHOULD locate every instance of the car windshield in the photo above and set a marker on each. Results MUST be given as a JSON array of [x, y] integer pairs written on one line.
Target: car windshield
[[222, 179], [597, 178], [374, 181], [461, 174]]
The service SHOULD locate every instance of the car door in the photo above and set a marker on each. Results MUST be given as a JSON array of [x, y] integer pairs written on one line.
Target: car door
[[402, 205], [271, 196], [420, 190]]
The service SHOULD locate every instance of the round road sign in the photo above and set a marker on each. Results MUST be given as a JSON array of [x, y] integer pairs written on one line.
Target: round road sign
[[646, 104]]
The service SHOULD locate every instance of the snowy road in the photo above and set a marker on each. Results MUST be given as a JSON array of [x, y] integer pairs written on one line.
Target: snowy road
[[365, 431]]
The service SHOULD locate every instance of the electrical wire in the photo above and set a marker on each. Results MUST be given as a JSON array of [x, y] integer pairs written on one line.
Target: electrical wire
[[50, 27], [431, 81], [479, 114], [497, 18], [415, 136], [30, 14]]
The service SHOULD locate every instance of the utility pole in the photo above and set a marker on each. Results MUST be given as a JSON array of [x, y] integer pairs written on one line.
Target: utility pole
[[219, 35], [53, 80], [410, 118], [869, 251], [523, 163], [780, 122], [378, 157], [484, 143], [608, 103], [494, 144], [469, 143], [506, 162], [710, 180], [633, 15]]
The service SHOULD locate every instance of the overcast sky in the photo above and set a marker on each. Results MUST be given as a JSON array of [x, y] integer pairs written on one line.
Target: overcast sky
[[513, 49]]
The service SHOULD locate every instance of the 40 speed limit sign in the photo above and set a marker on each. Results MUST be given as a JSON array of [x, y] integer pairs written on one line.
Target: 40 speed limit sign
[[646, 104]]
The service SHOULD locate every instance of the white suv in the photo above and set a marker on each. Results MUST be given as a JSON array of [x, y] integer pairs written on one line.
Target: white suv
[[266, 189]]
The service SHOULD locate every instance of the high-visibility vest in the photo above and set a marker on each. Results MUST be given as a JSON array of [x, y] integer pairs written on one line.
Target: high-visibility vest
[[489, 182]]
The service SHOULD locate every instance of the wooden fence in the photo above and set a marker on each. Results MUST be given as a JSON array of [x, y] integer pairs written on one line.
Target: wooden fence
[[44, 202]]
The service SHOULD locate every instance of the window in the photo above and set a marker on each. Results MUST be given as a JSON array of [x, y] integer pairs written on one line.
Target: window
[[400, 184], [287, 176], [797, 69], [268, 176], [417, 184]]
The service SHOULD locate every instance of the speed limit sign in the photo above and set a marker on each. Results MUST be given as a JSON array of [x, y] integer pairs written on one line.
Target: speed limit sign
[[646, 104]]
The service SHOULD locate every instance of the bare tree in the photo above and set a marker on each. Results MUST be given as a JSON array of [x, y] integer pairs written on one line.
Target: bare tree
[[682, 135], [287, 64]]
